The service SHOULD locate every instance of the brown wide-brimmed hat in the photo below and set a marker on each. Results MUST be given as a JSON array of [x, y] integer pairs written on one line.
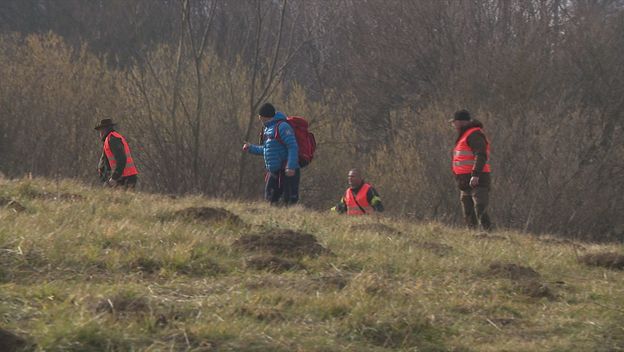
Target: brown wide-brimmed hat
[[461, 115], [105, 123]]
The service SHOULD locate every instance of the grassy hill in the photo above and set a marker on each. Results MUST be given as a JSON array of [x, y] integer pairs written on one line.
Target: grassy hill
[[84, 269]]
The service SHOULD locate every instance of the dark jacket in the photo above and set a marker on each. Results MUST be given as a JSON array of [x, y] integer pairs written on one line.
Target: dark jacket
[[478, 143], [104, 168]]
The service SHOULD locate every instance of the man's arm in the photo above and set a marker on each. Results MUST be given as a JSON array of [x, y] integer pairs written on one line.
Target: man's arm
[[374, 200], [341, 207], [117, 148], [256, 149], [478, 144]]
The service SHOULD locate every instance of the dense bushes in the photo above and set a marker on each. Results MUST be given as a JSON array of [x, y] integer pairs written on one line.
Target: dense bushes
[[546, 81]]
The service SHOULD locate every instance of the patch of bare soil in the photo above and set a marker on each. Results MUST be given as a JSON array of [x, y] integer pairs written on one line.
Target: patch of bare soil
[[378, 228], [12, 204], [512, 271], [534, 288], [271, 263], [489, 236], [209, 215], [123, 304], [609, 260], [146, 265], [11, 342], [281, 242]]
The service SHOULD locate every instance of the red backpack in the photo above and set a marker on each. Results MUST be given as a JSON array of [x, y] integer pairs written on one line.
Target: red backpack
[[305, 138]]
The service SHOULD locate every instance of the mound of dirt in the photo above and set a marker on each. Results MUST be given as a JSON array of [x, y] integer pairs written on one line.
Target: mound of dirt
[[123, 304], [378, 228], [282, 242], [525, 280], [11, 342], [512, 271], [207, 214], [609, 260], [270, 263], [11, 204]]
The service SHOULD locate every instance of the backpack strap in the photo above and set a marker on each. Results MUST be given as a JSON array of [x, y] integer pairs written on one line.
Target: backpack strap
[[276, 136], [358, 204]]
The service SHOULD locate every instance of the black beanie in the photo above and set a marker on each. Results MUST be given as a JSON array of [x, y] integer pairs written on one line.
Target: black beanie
[[267, 110], [462, 115]]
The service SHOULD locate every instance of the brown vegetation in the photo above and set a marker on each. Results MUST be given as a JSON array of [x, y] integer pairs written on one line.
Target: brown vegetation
[[184, 79], [378, 228], [605, 259]]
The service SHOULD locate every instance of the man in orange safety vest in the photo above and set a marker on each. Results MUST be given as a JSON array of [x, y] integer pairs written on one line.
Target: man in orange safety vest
[[360, 198], [471, 167], [116, 166]]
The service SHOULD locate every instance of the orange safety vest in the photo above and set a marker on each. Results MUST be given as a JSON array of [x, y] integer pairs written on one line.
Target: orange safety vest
[[463, 157], [129, 169], [352, 205]]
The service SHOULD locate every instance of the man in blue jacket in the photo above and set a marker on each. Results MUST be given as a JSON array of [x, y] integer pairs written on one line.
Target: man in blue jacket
[[281, 156]]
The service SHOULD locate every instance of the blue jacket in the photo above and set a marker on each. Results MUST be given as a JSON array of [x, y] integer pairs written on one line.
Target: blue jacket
[[278, 155]]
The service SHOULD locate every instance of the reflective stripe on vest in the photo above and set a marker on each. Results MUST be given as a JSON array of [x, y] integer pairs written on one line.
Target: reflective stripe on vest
[[352, 205], [464, 158], [130, 169]]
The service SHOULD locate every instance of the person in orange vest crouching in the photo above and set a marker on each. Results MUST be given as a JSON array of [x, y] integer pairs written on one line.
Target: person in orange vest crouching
[[471, 167], [360, 198], [116, 166]]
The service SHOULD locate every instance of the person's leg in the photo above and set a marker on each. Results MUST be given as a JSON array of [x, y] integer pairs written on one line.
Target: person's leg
[[468, 208], [291, 188], [272, 187], [481, 198], [130, 182]]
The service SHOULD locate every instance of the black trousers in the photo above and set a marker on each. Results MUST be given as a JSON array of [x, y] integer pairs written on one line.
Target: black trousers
[[128, 182], [278, 185]]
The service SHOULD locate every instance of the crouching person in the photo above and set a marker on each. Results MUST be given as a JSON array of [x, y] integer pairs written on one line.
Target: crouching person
[[360, 198]]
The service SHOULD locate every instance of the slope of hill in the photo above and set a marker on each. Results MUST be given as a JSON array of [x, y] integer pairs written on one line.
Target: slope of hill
[[85, 269]]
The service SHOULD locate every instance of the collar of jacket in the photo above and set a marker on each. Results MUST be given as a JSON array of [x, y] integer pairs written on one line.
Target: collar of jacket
[[107, 133], [278, 117]]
